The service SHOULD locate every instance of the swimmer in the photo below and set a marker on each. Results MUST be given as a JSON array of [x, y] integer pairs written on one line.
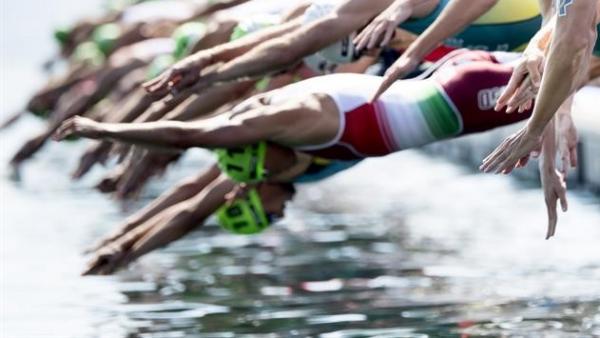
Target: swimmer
[[492, 25], [187, 206], [566, 43], [275, 48], [331, 117]]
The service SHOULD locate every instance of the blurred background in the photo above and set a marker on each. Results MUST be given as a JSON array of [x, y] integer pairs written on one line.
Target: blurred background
[[411, 245]]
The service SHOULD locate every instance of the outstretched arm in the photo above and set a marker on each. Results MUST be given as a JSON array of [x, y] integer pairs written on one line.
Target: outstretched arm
[[183, 191], [458, 15], [565, 69], [166, 227], [215, 132], [186, 72], [277, 53]]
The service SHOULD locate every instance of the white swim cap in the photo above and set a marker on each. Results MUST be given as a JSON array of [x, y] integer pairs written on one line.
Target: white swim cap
[[342, 51]]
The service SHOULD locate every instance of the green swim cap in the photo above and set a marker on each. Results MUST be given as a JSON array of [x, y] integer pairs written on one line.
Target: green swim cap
[[253, 25], [245, 164], [61, 35], [41, 113], [88, 52], [186, 36], [159, 65], [106, 36], [244, 216]]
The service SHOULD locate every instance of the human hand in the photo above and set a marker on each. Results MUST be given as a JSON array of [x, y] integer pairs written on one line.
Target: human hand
[[511, 151], [178, 77], [555, 188], [402, 67], [381, 30], [114, 255], [567, 143], [525, 81], [78, 126]]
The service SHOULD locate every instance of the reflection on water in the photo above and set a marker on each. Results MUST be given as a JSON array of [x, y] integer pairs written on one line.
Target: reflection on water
[[406, 246]]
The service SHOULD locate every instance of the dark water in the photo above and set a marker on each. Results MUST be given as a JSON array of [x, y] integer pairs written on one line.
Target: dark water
[[407, 246]]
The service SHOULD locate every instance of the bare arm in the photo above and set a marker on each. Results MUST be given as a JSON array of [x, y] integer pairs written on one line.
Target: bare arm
[[164, 228], [187, 216], [458, 15], [183, 191], [273, 55], [215, 132], [187, 71], [285, 51], [567, 61]]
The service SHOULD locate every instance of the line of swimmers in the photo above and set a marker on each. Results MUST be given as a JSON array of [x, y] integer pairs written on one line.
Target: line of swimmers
[[269, 130]]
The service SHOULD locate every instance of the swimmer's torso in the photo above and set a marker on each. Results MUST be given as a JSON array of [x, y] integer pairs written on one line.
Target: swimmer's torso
[[458, 99]]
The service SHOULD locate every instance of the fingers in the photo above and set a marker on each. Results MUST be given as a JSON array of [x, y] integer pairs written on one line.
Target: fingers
[[521, 97], [493, 159], [533, 67], [515, 80], [565, 163], [96, 265], [65, 130], [389, 34], [552, 216], [523, 162], [573, 157], [388, 79], [360, 41], [368, 38], [564, 204]]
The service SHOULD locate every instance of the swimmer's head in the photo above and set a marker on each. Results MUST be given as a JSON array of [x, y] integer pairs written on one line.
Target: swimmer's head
[[106, 36], [62, 35], [258, 162], [251, 25], [253, 209], [88, 53], [186, 36], [244, 164], [341, 52]]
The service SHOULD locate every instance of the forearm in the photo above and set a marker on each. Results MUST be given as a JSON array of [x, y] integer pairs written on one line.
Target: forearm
[[183, 218], [159, 109], [279, 54], [209, 100], [547, 9], [458, 15], [209, 133], [233, 49], [171, 134], [547, 163], [180, 193], [135, 105], [565, 69]]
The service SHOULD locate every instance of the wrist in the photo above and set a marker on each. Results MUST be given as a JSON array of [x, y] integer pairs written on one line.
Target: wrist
[[533, 130]]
